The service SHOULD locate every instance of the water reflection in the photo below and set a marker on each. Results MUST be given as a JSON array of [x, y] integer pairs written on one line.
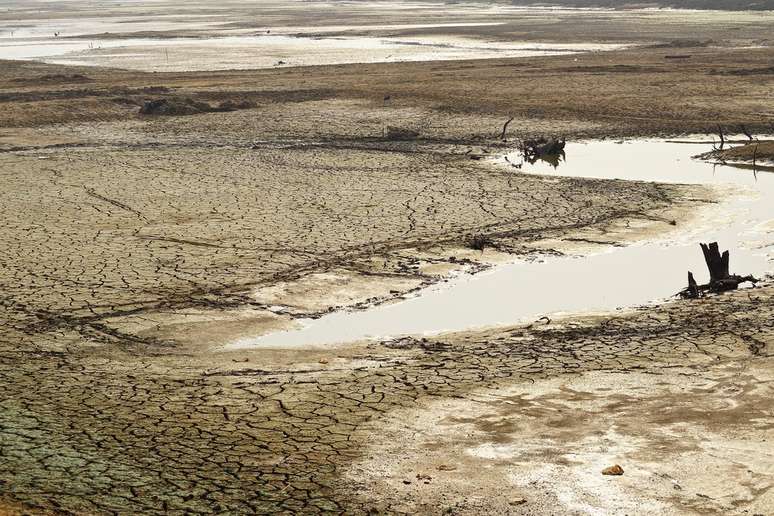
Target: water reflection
[[548, 150], [553, 159]]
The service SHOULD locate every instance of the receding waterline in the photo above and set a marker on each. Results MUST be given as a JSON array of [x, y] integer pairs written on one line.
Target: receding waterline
[[254, 51], [611, 278]]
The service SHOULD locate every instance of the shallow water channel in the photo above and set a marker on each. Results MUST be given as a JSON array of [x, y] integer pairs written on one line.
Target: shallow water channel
[[249, 51], [604, 280]]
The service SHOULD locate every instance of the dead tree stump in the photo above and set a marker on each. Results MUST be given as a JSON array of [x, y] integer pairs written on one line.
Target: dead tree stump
[[720, 278], [716, 263]]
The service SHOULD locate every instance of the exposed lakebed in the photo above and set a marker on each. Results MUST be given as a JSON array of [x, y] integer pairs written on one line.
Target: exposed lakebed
[[249, 51], [607, 278]]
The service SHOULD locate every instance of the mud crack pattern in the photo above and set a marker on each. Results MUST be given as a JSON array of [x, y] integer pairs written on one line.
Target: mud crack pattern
[[111, 431]]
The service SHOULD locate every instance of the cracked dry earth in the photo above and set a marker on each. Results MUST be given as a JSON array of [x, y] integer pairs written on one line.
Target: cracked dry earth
[[109, 407], [133, 249], [128, 427], [205, 225]]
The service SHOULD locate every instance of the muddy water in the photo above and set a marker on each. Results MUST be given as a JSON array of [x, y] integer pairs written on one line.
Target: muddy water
[[613, 277]]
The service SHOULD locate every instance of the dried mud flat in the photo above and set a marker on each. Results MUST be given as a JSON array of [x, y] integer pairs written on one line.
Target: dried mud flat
[[135, 246]]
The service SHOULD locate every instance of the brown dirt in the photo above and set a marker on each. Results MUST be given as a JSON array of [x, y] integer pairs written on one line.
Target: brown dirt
[[756, 156], [760, 151], [627, 92]]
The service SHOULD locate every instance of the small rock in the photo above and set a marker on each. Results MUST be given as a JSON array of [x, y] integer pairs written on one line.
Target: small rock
[[323, 360], [613, 470], [446, 467], [422, 476], [517, 501]]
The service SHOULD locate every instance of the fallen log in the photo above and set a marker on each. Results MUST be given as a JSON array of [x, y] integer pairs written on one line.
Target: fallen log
[[720, 278]]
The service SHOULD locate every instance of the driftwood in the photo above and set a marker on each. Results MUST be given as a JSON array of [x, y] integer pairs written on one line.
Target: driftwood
[[550, 150], [720, 279]]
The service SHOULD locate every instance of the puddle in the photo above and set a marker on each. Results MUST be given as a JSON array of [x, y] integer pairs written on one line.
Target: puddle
[[612, 278]]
